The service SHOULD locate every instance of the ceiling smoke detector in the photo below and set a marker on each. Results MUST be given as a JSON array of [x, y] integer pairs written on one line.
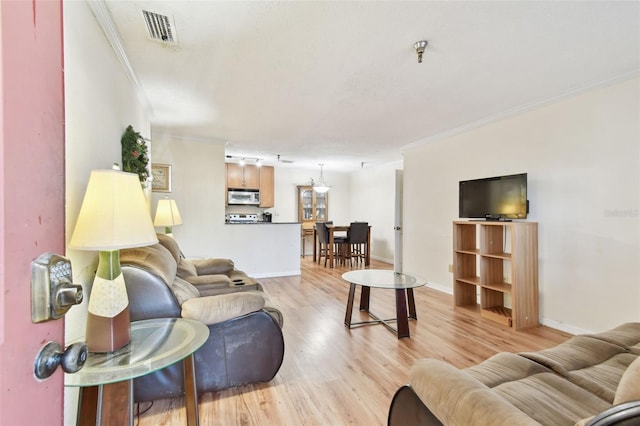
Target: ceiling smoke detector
[[160, 27]]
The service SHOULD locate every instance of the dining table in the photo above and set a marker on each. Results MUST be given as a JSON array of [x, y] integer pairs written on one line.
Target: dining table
[[331, 253]]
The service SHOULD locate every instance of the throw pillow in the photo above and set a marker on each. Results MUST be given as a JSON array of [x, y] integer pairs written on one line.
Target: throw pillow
[[214, 309], [183, 290], [628, 389]]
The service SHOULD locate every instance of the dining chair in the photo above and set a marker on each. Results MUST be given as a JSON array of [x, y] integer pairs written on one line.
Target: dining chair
[[356, 238], [323, 241]]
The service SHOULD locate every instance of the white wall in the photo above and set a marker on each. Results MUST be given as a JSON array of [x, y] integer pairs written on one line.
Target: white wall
[[99, 104], [583, 162], [372, 200], [198, 187], [198, 175], [286, 194]]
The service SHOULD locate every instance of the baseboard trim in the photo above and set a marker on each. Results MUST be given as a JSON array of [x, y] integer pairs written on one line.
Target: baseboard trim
[[440, 287], [274, 274], [382, 259], [567, 328]]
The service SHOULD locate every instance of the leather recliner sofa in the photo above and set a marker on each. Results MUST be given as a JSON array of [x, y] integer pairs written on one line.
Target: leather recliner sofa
[[245, 343]]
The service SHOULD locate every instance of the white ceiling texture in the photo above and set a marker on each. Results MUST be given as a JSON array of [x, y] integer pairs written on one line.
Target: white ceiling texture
[[339, 83]]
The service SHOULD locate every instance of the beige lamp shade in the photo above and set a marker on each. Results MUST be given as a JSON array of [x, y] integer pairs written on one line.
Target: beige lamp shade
[[167, 213], [114, 214]]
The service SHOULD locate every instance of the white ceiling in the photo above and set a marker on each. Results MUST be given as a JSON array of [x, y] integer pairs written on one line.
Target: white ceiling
[[338, 82]]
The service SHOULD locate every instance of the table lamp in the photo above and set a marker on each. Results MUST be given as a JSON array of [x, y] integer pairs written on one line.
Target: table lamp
[[114, 215], [167, 215]]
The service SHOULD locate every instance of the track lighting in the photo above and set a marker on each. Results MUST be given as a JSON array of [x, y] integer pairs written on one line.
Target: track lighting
[[243, 160]]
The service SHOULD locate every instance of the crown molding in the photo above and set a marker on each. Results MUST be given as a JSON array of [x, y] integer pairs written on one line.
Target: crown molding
[[521, 109], [101, 12]]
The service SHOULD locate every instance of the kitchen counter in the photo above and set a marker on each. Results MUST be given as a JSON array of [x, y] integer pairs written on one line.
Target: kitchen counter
[[262, 250], [262, 223]]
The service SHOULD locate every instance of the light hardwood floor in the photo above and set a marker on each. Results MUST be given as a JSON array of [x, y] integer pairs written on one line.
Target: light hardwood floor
[[335, 376]]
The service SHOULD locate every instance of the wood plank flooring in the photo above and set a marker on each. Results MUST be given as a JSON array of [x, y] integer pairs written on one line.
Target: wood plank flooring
[[335, 376]]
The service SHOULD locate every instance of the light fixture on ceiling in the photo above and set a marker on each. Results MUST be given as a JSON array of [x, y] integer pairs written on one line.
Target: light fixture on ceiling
[[420, 46], [243, 160], [282, 160], [321, 187]]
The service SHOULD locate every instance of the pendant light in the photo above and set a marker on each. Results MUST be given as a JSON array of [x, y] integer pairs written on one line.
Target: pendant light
[[321, 187]]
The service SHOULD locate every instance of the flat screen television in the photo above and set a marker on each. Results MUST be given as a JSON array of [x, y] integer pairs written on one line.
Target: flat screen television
[[494, 198]]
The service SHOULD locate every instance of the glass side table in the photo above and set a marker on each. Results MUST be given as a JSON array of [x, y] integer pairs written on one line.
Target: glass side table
[[155, 344]]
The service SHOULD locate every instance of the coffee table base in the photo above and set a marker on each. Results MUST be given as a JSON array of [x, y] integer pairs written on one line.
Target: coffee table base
[[404, 297]]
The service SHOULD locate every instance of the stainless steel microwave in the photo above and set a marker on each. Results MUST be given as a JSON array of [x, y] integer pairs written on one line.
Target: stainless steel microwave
[[243, 197]]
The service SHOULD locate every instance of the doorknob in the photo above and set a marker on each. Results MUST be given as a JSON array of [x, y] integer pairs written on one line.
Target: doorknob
[[51, 355]]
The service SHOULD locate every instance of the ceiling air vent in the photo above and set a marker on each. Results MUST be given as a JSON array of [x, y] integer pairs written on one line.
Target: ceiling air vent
[[160, 27]]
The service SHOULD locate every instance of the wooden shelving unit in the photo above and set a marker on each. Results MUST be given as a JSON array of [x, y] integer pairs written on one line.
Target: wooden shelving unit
[[497, 261]]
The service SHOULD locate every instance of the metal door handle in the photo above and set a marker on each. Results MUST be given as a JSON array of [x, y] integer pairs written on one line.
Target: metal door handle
[[51, 355]]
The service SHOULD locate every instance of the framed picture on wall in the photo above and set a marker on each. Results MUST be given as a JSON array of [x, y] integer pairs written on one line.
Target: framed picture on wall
[[161, 177]]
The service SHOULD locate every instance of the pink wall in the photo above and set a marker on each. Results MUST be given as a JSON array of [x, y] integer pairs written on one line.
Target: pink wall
[[32, 196]]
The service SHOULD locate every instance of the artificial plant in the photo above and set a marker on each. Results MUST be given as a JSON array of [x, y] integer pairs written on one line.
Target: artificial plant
[[134, 154]]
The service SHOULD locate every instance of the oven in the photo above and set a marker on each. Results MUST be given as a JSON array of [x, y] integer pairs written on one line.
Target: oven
[[241, 218]]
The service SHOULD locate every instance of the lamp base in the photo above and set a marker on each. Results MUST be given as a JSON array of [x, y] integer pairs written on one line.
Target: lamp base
[[108, 322], [106, 334]]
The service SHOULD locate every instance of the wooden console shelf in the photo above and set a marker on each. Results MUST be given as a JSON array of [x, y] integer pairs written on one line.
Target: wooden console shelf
[[499, 262]]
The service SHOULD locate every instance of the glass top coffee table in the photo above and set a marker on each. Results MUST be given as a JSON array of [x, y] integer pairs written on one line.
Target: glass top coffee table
[[402, 283], [155, 344]]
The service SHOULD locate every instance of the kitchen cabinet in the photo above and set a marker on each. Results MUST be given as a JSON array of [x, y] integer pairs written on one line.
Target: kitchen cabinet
[[242, 177], [312, 206], [267, 193], [252, 178]]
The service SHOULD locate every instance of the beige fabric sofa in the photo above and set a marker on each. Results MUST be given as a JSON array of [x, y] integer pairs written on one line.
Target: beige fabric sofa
[[565, 385]]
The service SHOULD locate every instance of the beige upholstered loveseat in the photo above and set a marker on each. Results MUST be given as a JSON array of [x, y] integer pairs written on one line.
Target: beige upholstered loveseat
[[581, 381]]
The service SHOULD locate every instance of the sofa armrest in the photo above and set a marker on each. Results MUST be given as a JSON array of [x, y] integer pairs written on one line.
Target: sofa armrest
[[213, 266], [241, 351], [208, 281], [456, 398], [407, 409], [215, 309], [149, 295]]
